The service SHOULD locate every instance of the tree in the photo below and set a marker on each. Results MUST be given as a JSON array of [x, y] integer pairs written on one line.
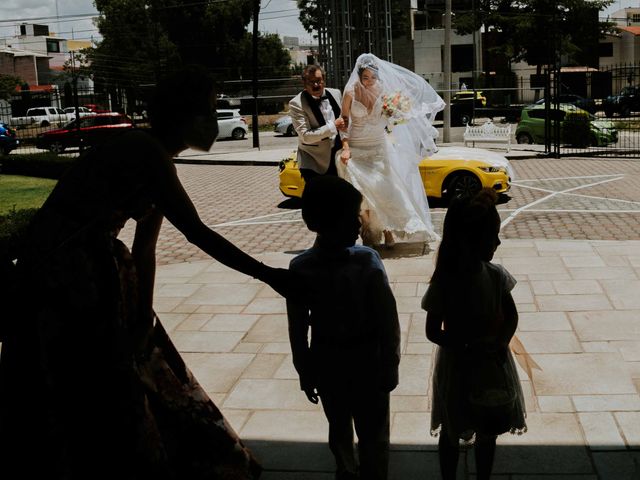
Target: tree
[[8, 84], [144, 38], [273, 59], [310, 14], [538, 31], [311, 11]]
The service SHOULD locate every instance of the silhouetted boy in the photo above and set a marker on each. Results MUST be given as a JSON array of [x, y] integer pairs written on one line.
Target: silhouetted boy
[[352, 361]]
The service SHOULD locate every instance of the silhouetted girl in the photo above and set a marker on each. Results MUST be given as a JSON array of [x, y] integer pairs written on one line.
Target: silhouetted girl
[[471, 315]]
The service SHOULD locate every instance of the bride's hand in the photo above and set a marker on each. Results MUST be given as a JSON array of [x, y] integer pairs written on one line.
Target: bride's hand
[[345, 156]]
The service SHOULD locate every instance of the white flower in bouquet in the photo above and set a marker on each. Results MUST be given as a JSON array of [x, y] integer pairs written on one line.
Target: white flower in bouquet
[[395, 106]]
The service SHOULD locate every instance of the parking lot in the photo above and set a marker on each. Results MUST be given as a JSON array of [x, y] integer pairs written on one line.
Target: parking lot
[[568, 198]]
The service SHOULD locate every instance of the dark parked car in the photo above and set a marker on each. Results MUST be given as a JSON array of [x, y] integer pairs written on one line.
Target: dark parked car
[[627, 101], [584, 103], [94, 129], [461, 114], [8, 139]]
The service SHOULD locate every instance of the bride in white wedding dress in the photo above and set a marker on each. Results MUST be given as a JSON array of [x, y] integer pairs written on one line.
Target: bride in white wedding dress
[[389, 112]]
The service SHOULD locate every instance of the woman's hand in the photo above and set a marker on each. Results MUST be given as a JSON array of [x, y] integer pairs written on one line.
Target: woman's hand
[[345, 155], [283, 281]]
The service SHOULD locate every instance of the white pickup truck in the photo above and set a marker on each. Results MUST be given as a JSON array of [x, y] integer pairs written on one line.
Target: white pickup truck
[[42, 117]]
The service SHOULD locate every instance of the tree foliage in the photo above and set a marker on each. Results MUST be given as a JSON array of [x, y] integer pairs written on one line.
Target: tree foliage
[[311, 11], [144, 38], [536, 30], [8, 84]]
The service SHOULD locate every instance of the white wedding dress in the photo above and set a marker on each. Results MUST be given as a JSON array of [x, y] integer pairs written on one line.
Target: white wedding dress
[[390, 183]]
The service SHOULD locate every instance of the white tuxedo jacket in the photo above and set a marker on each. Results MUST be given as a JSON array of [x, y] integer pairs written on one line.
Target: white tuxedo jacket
[[314, 136]]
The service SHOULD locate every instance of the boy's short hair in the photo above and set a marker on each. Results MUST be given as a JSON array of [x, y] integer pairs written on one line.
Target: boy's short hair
[[327, 201]]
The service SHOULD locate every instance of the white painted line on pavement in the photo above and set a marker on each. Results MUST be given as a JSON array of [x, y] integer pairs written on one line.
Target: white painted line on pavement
[[242, 223], [247, 221], [568, 178], [510, 218]]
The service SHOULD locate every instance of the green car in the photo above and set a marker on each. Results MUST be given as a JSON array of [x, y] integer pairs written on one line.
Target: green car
[[531, 125]]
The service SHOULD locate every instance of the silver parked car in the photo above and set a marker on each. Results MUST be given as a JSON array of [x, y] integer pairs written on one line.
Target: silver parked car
[[231, 124], [284, 126]]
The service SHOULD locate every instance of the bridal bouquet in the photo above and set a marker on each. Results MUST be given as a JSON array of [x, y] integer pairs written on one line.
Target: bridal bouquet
[[394, 107]]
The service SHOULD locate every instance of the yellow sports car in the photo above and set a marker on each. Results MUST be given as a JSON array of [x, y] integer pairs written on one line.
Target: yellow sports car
[[449, 172]]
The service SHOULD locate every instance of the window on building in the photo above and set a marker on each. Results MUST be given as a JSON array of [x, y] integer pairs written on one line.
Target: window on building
[[537, 81], [461, 58], [635, 18], [605, 49], [419, 21], [53, 46]]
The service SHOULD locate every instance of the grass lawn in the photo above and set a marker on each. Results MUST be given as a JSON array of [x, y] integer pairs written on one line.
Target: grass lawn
[[21, 192]]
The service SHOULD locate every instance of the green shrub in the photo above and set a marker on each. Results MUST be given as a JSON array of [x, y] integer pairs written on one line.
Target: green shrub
[[43, 165], [12, 228], [576, 130]]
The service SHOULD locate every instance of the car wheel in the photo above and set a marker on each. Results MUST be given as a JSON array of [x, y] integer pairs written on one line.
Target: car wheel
[[291, 132], [237, 134], [524, 138], [56, 147], [465, 118], [625, 111], [608, 113], [463, 184], [44, 123]]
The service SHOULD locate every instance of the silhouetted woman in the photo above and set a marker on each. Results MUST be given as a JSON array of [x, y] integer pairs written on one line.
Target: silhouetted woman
[[90, 384]]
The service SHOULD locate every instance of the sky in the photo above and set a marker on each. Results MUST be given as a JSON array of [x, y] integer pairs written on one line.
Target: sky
[[619, 4], [71, 19]]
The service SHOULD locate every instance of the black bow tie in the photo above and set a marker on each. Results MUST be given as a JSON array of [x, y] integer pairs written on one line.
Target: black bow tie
[[323, 97]]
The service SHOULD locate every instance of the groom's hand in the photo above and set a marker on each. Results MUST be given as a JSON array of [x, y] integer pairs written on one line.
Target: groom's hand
[[340, 124]]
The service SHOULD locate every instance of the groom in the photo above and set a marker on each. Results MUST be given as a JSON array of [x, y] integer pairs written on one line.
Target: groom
[[315, 113]]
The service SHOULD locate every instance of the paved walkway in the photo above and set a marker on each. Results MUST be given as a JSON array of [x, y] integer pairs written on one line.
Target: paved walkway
[[579, 318]]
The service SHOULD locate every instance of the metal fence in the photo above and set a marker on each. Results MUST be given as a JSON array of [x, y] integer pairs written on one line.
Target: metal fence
[[613, 127]]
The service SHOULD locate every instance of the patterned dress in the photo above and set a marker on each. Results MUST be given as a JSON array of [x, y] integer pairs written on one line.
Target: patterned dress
[[81, 395]]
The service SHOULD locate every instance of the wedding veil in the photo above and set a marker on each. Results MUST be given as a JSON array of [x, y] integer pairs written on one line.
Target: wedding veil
[[419, 102]]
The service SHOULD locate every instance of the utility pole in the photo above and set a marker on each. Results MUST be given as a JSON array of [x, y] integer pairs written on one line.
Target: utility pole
[[254, 117], [446, 117]]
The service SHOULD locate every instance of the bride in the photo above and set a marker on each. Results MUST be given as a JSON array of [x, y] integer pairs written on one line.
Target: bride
[[389, 111]]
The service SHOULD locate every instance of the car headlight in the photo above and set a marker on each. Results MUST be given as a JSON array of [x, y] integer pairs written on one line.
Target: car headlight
[[491, 169]]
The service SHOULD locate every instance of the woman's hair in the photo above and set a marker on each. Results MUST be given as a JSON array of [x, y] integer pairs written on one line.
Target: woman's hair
[[370, 65], [180, 95], [470, 227]]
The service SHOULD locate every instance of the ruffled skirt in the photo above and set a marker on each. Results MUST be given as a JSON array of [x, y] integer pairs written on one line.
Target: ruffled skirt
[[452, 410]]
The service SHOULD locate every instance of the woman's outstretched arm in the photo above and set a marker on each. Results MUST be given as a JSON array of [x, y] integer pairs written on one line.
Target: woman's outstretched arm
[[175, 204]]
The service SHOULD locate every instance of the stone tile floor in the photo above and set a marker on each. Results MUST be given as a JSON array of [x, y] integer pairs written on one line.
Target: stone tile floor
[[579, 318]]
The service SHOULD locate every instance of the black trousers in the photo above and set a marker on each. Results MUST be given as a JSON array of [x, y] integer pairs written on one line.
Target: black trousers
[[368, 410], [308, 174]]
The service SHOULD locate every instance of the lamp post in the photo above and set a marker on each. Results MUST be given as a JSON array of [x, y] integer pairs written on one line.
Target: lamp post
[[446, 117], [254, 82]]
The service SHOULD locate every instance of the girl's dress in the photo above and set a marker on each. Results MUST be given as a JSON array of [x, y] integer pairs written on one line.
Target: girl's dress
[[79, 397], [451, 407], [395, 198]]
